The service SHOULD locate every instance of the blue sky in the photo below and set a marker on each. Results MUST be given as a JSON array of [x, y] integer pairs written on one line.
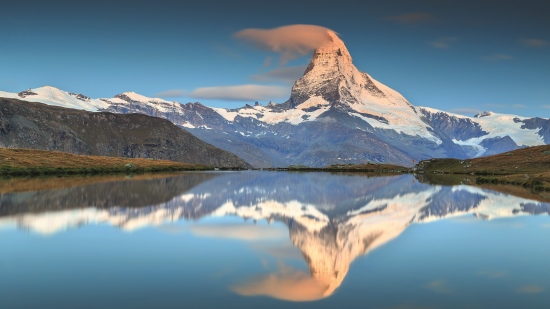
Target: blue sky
[[462, 56]]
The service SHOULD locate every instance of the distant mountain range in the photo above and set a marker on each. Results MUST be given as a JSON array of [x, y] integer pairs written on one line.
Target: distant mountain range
[[335, 114]]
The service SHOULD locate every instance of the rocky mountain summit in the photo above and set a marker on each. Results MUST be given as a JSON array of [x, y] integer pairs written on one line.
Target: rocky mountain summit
[[335, 115], [39, 126]]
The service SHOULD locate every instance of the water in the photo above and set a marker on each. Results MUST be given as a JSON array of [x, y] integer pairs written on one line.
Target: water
[[269, 240]]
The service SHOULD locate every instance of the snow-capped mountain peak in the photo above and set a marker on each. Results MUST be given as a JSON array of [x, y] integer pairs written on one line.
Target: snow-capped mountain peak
[[332, 76], [53, 96], [484, 114], [136, 97], [335, 46]]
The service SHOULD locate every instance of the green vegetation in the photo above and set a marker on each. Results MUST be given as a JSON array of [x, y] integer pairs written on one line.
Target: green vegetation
[[39, 162]]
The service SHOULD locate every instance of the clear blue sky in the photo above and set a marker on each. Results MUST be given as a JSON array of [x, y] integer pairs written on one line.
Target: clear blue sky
[[460, 56]]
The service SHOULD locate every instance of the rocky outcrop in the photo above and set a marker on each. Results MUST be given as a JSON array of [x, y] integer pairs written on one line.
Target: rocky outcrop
[[39, 126], [456, 128]]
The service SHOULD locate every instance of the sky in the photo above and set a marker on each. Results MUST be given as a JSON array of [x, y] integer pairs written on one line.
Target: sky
[[460, 56]]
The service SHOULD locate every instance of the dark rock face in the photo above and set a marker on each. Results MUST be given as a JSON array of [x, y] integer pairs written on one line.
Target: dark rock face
[[79, 96], [102, 194], [39, 126], [456, 128], [534, 208], [446, 202], [317, 143], [26, 93], [538, 123], [179, 114], [498, 145]]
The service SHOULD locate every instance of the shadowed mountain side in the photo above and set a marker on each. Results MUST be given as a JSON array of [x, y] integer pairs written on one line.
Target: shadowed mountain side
[[316, 143], [39, 126], [101, 194]]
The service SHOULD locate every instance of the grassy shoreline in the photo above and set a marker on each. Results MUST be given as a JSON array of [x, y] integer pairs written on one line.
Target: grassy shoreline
[[30, 162], [526, 167]]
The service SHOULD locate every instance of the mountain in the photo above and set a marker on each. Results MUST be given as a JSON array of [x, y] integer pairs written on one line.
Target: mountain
[[39, 126], [335, 114], [489, 133]]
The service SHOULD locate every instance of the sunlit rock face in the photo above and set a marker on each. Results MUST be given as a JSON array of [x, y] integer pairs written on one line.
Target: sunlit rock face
[[332, 219]]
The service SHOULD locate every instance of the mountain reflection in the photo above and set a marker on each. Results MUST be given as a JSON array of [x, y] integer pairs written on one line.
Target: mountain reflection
[[331, 219]]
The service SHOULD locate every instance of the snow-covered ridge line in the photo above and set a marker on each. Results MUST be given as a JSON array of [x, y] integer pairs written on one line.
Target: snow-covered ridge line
[[495, 125], [492, 205], [56, 97]]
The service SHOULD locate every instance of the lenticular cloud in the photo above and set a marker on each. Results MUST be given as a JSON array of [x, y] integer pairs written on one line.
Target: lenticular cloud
[[290, 41]]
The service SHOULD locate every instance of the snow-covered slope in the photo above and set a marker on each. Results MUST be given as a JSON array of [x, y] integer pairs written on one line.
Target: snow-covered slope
[[332, 80], [492, 126], [53, 96]]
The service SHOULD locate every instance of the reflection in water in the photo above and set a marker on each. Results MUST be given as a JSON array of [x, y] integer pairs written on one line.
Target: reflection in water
[[332, 219]]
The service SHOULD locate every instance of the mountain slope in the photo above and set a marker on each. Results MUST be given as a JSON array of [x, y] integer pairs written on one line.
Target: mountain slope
[[489, 133], [39, 126], [335, 115]]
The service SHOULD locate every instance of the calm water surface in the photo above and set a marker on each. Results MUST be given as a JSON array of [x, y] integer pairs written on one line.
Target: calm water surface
[[269, 240]]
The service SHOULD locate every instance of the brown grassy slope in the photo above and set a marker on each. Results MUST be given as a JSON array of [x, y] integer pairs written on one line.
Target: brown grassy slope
[[30, 161], [528, 166]]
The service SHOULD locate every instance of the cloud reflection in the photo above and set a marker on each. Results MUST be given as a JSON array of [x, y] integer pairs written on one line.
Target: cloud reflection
[[287, 284], [530, 289], [242, 232]]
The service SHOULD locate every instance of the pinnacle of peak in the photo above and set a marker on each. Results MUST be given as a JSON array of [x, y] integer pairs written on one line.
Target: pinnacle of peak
[[334, 45], [484, 114]]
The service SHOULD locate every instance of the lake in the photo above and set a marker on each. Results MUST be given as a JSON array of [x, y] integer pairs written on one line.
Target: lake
[[257, 239]]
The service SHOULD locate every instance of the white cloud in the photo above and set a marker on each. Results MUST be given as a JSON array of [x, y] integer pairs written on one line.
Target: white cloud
[[287, 75], [248, 92], [175, 93], [241, 232]]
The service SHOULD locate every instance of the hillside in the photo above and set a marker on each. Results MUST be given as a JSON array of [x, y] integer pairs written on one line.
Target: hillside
[[41, 162], [529, 167], [40, 126]]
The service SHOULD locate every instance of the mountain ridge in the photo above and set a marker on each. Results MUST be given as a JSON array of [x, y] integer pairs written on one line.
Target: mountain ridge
[[39, 126], [335, 115]]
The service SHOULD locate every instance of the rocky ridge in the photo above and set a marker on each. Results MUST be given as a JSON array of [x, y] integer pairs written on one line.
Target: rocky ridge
[[39, 126]]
